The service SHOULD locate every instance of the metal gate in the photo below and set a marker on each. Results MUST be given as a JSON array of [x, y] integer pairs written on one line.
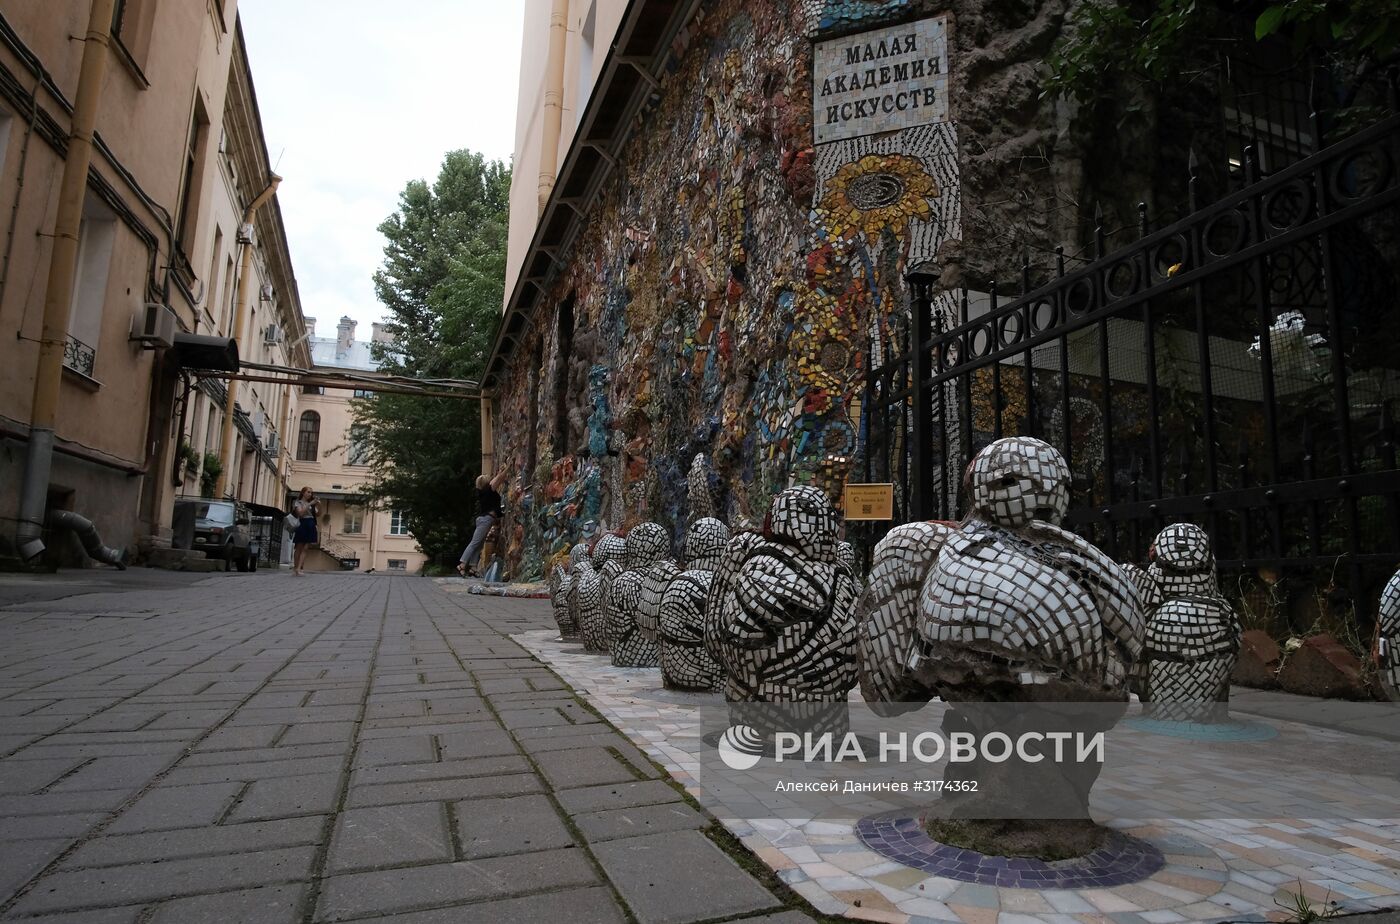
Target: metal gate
[[1238, 368]]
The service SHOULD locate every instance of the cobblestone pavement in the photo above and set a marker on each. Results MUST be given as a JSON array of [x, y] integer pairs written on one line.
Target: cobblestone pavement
[[265, 748]]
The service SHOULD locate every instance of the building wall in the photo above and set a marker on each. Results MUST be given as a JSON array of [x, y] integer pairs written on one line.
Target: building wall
[[724, 296], [115, 415], [591, 26], [154, 230]]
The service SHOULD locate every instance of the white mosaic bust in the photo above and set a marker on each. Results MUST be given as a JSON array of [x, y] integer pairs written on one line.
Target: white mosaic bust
[[1193, 636], [1388, 638], [785, 629], [609, 553], [647, 545], [1014, 601], [685, 664]]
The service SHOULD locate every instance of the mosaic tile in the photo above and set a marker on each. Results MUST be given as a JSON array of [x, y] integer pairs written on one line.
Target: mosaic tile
[[1122, 859]]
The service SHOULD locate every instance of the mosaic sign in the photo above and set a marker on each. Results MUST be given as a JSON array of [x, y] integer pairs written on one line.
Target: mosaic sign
[[880, 81]]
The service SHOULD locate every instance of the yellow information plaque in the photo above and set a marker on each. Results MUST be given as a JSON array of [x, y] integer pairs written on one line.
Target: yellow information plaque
[[870, 502]]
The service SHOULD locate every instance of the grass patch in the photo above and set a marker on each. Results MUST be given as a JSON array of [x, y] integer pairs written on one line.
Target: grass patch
[[1046, 840]]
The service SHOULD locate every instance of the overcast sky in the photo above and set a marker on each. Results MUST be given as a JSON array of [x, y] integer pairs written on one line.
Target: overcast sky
[[357, 98]]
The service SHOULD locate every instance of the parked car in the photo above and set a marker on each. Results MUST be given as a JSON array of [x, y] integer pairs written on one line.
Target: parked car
[[222, 530]]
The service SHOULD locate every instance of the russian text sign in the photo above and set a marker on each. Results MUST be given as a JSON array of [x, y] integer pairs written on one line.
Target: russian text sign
[[869, 502], [880, 81]]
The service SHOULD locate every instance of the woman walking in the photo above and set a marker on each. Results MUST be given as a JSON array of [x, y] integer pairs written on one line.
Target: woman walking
[[306, 508], [488, 511]]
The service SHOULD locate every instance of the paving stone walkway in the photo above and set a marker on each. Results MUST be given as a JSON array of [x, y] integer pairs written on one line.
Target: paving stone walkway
[[264, 748]]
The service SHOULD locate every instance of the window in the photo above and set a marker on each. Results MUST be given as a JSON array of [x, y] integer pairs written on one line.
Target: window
[[363, 393], [191, 188], [358, 451], [398, 564], [212, 282], [96, 236], [131, 25], [313, 390], [398, 524], [354, 519], [309, 437]]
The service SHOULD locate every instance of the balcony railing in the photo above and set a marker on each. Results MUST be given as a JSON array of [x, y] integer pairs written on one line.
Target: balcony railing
[[78, 356]]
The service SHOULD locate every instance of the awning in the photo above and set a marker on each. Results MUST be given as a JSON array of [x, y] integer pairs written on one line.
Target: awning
[[198, 351]]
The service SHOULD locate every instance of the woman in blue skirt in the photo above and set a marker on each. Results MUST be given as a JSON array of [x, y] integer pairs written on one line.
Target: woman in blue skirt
[[306, 508]]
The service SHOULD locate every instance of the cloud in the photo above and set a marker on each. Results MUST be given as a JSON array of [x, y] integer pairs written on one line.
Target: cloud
[[357, 98]]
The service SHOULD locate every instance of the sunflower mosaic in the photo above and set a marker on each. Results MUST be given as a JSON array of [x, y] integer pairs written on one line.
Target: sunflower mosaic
[[877, 192]]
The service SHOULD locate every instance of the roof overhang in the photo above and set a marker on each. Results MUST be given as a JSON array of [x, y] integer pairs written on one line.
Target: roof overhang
[[632, 72]]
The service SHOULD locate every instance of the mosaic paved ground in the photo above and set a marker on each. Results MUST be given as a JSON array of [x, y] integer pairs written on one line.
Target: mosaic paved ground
[[1214, 869]]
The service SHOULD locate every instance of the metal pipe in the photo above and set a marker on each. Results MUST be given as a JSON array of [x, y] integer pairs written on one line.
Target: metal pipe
[[58, 295], [88, 535], [240, 319], [553, 100]]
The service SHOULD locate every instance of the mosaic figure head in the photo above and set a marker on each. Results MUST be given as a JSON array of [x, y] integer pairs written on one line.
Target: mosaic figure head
[[705, 543], [609, 547], [1183, 547], [647, 543], [579, 553], [804, 518], [1019, 479], [701, 499]]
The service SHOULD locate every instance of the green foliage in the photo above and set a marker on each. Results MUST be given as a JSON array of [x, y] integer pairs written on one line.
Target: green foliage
[[209, 475], [1300, 909], [1362, 26], [1118, 45], [441, 281], [1113, 42]]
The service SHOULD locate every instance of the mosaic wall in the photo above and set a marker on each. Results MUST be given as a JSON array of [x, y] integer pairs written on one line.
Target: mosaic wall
[[725, 294]]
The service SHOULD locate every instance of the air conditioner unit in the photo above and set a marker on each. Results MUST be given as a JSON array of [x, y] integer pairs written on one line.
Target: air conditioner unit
[[266, 291], [245, 233], [273, 334], [154, 326]]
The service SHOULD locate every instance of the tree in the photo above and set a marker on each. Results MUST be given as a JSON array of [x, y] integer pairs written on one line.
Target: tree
[[441, 282], [1118, 44]]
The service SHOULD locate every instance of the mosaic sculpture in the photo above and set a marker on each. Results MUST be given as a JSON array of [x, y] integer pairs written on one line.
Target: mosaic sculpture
[[647, 545], [887, 615], [656, 577], [784, 617], [685, 663], [1388, 638], [699, 495], [1017, 610], [1193, 637], [1014, 601], [594, 582], [561, 592]]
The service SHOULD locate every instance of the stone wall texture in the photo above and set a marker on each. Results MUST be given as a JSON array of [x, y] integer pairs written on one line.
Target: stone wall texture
[[734, 278]]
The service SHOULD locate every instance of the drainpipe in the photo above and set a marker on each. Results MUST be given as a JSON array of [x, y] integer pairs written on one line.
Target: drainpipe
[[488, 439], [58, 296], [240, 318], [553, 99]]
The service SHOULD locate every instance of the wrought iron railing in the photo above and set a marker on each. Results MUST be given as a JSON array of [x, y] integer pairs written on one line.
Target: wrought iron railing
[[1239, 368], [78, 356]]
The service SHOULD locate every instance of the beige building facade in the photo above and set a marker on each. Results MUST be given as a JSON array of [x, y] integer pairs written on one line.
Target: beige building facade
[[330, 456], [178, 156], [564, 48]]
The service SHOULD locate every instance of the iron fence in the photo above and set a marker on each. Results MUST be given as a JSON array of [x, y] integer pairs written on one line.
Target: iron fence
[[1238, 368]]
